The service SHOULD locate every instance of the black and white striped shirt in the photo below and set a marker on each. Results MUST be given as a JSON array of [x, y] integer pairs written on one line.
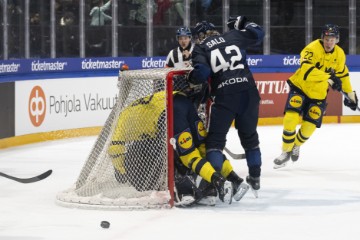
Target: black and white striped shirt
[[176, 57]]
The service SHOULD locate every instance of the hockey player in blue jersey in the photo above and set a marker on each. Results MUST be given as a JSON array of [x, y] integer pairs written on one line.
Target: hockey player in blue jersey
[[222, 57], [188, 142]]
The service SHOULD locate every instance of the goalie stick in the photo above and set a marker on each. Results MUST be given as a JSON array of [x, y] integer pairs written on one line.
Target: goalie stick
[[346, 96], [235, 156], [28, 180]]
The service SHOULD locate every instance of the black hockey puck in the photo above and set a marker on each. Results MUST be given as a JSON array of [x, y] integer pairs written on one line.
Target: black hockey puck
[[105, 224]]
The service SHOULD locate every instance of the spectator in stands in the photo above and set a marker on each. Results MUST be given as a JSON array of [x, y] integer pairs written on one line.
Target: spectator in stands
[[162, 7], [67, 19], [97, 13], [180, 8], [138, 12], [14, 7]]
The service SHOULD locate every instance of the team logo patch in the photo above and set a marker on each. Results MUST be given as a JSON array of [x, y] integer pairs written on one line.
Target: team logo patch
[[295, 101], [201, 129], [185, 140], [315, 112]]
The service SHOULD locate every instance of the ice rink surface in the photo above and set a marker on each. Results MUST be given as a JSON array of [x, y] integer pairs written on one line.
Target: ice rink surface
[[316, 198]]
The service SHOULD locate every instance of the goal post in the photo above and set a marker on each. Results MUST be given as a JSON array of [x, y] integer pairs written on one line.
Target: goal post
[[131, 164]]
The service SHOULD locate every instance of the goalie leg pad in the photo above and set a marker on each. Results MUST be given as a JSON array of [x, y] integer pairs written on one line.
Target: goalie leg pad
[[183, 200], [208, 193], [184, 185], [208, 201], [184, 191]]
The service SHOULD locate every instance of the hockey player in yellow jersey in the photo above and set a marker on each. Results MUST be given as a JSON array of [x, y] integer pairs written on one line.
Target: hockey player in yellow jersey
[[322, 64], [147, 114]]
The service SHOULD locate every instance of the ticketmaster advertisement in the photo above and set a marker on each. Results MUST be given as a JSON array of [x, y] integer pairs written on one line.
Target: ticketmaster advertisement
[[61, 94], [59, 104]]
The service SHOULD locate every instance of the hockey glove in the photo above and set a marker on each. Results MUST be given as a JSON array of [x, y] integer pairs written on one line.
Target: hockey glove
[[335, 83], [351, 101], [236, 22], [199, 74]]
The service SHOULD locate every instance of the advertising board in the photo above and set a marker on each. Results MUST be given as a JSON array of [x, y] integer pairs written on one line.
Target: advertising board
[[58, 104]]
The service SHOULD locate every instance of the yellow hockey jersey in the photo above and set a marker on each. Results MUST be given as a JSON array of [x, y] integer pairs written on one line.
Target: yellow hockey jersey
[[315, 69], [139, 122]]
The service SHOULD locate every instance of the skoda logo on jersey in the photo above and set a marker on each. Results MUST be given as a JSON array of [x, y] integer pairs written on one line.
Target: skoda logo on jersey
[[315, 112], [201, 130], [296, 101], [185, 141], [232, 81]]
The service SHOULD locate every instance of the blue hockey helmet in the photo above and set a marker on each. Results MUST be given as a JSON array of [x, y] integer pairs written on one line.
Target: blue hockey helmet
[[183, 31], [203, 27], [330, 30]]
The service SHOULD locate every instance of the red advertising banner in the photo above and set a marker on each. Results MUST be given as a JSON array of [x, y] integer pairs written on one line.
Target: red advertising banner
[[274, 90]]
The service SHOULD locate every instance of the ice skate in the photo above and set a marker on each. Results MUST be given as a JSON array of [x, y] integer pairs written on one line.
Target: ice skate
[[282, 160], [184, 201], [208, 193], [254, 183], [228, 192], [295, 153], [240, 188], [223, 187], [208, 201]]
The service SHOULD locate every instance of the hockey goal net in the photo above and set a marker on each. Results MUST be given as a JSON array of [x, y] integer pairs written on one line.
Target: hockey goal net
[[131, 163]]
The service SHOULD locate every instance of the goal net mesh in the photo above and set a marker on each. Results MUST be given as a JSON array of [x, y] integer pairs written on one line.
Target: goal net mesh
[[128, 167]]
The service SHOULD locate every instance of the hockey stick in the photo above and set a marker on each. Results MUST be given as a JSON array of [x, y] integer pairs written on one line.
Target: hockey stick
[[235, 156], [346, 96], [28, 180]]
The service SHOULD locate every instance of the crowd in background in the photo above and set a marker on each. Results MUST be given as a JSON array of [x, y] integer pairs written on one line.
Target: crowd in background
[[287, 19]]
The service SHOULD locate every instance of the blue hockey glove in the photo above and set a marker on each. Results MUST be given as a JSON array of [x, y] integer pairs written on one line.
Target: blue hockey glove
[[236, 22], [199, 74]]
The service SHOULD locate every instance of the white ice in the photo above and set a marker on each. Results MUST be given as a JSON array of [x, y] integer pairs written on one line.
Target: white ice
[[317, 197]]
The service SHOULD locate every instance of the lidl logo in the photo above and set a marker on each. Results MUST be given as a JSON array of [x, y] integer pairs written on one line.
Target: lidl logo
[[37, 106], [315, 112], [295, 101], [201, 129], [185, 140]]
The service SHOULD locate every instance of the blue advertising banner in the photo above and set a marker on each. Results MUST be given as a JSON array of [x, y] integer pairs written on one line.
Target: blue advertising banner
[[35, 68]]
